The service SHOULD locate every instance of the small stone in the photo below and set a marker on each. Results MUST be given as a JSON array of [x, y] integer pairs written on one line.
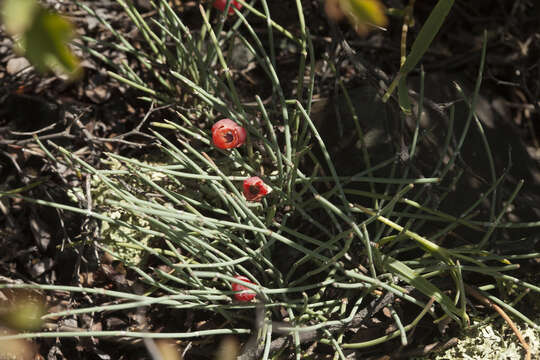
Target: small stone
[[72, 323], [114, 323], [40, 267], [92, 22], [99, 94], [17, 65]]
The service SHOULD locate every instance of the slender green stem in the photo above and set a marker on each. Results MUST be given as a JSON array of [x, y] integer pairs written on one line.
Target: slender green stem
[[130, 334]]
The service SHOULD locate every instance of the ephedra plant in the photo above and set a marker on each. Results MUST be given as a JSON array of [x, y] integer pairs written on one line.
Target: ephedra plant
[[251, 223]]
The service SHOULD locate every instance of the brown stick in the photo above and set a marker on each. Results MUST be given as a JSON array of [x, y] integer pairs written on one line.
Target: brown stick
[[476, 294]]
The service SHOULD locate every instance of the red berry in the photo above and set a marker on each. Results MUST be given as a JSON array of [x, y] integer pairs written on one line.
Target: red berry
[[221, 4], [227, 134], [255, 189], [244, 293]]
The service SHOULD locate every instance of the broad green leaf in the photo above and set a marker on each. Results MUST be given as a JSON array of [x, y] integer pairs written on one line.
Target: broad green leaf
[[410, 276], [403, 96], [427, 34], [422, 42]]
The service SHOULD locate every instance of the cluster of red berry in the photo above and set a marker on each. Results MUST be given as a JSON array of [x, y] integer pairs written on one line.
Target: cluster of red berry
[[226, 134]]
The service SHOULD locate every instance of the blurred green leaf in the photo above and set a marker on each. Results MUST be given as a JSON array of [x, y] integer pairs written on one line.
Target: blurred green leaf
[[228, 349], [45, 43], [364, 12], [24, 315], [361, 13], [42, 36], [17, 15], [370, 11]]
